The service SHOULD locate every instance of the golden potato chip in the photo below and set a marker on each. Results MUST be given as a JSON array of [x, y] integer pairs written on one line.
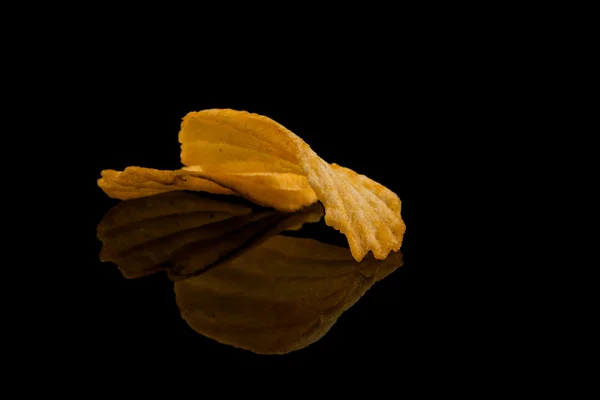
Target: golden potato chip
[[209, 154], [108, 183], [280, 296], [244, 156], [236, 128], [362, 209], [236, 152], [136, 182], [284, 191]]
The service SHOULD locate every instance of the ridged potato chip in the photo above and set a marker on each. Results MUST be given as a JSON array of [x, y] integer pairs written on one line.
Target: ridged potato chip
[[283, 191], [362, 209], [185, 233], [236, 152], [136, 182]]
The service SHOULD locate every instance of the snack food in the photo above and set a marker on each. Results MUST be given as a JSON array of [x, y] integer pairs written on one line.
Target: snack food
[[136, 182], [257, 158]]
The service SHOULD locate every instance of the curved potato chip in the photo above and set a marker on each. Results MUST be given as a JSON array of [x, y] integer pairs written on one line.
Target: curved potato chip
[[236, 152], [284, 191], [200, 152], [362, 209], [236, 128], [136, 182]]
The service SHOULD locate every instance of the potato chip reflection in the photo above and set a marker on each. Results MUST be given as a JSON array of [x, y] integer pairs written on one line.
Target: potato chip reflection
[[236, 280]]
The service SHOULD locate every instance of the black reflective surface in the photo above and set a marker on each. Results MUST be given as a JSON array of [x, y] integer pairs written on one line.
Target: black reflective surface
[[108, 313], [238, 280]]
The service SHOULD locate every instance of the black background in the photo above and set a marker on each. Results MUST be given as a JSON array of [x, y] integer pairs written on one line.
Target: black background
[[420, 113], [373, 127]]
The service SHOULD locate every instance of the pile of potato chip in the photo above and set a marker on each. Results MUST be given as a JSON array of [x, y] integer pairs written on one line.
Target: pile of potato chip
[[239, 153]]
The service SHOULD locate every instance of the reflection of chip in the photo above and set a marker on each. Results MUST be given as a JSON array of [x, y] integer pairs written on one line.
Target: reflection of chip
[[187, 234], [235, 152], [283, 304]]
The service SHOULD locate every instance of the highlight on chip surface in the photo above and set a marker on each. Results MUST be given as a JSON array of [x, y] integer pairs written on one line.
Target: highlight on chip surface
[[257, 158]]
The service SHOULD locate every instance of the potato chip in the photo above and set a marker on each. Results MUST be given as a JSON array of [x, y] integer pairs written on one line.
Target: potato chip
[[136, 182], [236, 128], [281, 190], [280, 296], [362, 209], [235, 152]]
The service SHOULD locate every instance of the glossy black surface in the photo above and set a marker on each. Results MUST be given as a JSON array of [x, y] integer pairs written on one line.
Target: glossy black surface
[[119, 314]]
